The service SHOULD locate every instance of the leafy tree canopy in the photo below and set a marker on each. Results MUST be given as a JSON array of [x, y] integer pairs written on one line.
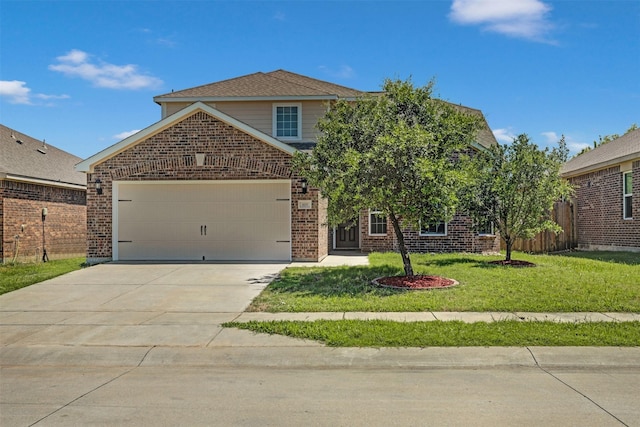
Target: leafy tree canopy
[[515, 186], [393, 152]]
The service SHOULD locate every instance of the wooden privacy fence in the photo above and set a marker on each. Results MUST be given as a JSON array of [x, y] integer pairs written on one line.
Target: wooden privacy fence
[[563, 214]]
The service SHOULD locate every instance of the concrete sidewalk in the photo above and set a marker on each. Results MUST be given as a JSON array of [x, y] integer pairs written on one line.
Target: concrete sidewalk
[[467, 317]]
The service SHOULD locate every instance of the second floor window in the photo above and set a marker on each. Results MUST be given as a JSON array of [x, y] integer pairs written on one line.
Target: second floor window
[[287, 121]]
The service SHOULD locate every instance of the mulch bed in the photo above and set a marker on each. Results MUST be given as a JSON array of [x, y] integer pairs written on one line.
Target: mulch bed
[[414, 282], [513, 263]]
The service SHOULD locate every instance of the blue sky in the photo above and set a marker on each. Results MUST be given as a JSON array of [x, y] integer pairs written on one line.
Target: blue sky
[[82, 74]]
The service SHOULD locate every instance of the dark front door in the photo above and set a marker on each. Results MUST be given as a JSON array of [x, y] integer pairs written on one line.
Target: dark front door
[[348, 235]]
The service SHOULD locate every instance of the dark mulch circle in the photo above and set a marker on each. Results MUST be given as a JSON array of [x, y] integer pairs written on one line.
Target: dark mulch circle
[[513, 263], [414, 282]]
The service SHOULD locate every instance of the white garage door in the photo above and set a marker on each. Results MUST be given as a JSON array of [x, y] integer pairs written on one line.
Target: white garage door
[[224, 220]]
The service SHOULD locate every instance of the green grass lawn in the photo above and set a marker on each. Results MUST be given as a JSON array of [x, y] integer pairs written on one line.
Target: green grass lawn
[[572, 282], [381, 333], [16, 276]]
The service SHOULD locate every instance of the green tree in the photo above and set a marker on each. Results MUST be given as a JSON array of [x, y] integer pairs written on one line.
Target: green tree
[[514, 186], [393, 152]]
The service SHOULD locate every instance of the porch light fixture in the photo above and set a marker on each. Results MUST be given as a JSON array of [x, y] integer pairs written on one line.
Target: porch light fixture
[[303, 185], [98, 186]]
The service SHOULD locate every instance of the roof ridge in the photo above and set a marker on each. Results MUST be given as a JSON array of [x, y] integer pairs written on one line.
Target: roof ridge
[[209, 84], [313, 79], [295, 83]]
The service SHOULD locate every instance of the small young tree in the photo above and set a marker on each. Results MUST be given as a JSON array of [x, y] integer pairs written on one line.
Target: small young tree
[[392, 152], [514, 186]]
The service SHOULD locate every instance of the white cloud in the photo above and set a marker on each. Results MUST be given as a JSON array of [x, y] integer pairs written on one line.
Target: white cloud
[[551, 137], [516, 18], [125, 134], [18, 93], [77, 63], [344, 72], [504, 135]]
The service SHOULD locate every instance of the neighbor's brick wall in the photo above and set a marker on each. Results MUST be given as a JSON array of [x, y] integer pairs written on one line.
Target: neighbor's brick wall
[[21, 221], [460, 238], [170, 155], [599, 209]]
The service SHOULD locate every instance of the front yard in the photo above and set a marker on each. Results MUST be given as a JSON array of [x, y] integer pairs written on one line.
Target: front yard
[[572, 282]]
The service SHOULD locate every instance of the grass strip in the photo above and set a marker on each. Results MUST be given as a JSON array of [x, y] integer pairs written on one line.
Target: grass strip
[[16, 276], [384, 333]]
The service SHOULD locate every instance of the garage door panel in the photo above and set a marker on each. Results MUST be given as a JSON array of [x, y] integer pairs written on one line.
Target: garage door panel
[[225, 221]]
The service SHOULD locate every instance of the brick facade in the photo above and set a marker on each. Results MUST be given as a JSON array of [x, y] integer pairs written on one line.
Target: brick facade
[[460, 238], [230, 154], [22, 234], [600, 211]]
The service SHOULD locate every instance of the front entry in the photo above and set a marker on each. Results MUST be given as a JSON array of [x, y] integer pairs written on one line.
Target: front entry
[[347, 235]]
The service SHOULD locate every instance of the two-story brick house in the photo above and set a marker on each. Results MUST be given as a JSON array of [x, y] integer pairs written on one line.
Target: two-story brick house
[[212, 180], [606, 181]]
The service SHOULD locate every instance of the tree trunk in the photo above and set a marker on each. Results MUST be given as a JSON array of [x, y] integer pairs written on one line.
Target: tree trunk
[[508, 243], [406, 261]]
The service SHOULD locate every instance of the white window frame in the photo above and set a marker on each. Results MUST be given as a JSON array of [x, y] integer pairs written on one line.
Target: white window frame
[[626, 195], [430, 234], [372, 213], [492, 233], [275, 120]]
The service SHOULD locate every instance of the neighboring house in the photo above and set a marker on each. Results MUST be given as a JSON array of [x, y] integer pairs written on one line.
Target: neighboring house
[[212, 180], [37, 178], [606, 181]]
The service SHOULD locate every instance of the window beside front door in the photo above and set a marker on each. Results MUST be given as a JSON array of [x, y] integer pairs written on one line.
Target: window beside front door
[[377, 223], [287, 121], [627, 195]]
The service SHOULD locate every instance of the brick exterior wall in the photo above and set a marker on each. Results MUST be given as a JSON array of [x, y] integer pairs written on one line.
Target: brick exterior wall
[[21, 225], [230, 154], [600, 212], [460, 238]]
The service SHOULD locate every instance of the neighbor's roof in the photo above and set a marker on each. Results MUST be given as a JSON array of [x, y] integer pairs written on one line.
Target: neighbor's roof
[[23, 158], [623, 149], [279, 84]]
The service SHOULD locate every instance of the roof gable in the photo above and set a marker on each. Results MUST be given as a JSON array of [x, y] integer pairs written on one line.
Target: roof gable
[[623, 149], [88, 164], [25, 158], [273, 85]]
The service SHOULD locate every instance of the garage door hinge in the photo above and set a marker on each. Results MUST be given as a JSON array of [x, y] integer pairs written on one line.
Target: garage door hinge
[[282, 200]]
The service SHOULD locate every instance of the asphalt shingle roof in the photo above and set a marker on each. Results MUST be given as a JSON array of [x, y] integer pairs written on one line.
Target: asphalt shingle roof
[[622, 149], [24, 156], [273, 84], [282, 83]]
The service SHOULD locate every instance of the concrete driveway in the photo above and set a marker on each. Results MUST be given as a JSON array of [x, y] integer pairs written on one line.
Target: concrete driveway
[[134, 305]]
